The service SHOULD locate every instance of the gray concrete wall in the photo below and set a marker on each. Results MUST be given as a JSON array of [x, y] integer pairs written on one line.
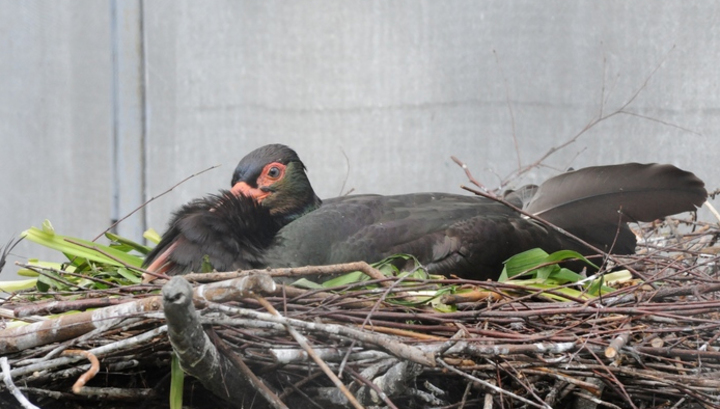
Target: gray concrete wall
[[397, 87], [55, 122]]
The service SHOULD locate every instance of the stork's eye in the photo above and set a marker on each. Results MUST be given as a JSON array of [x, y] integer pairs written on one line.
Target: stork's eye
[[273, 172]]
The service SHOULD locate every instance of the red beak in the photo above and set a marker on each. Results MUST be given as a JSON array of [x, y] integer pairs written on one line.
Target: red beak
[[245, 189]]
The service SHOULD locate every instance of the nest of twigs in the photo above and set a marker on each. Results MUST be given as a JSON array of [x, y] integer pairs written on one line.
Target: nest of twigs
[[652, 343]]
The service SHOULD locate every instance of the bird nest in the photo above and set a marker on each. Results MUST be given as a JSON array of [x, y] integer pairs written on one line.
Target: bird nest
[[391, 341]]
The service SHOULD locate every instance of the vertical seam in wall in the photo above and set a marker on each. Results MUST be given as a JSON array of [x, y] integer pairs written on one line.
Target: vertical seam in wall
[[115, 145], [145, 117]]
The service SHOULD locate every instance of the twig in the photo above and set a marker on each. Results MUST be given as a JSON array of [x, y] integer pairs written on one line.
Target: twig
[[386, 343], [152, 199], [57, 307], [660, 121], [617, 344], [302, 341], [611, 375], [712, 210], [347, 172], [71, 326], [289, 390], [94, 368], [362, 266], [7, 249], [596, 400], [490, 385], [268, 394], [197, 354], [41, 271], [565, 378], [380, 393], [602, 116], [7, 379], [551, 226], [127, 343], [509, 106], [469, 174]]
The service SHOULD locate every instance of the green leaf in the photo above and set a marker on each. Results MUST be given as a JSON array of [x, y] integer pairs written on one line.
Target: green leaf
[[51, 280], [47, 227], [546, 272], [305, 283], [68, 246], [152, 235], [550, 275], [386, 266], [17, 285], [595, 286], [86, 283], [42, 284], [439, 306], [206, 266], [346, 279], [565, 275], [46, 264], [76, 262], [134, 278], [551, 285], [569, 254], [618, 277], [524, 261], [127, 243], [529, 261], [177, 379]]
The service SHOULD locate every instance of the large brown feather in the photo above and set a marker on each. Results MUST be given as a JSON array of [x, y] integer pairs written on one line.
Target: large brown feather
[[596, 202]]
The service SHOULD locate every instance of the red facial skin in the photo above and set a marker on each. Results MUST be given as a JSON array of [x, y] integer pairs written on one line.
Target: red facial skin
[[271, 173]]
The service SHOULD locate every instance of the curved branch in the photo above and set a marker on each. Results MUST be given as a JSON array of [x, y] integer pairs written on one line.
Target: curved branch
[[199, 357]]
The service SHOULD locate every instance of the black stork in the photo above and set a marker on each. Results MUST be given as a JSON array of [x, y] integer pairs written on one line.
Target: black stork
[[271, 217]]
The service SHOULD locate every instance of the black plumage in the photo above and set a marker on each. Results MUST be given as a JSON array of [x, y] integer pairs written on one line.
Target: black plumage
[[467, 236], [596, 203], [232, 231]]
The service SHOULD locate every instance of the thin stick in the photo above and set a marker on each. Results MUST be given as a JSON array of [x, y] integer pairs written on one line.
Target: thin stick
[[490, 385], [94, 368], [303, 342], [712, 210], [374, 387], [595, 121], [388, 344], [7, 249], [247, 372], [509, 106], [361, 266], [552, 226], [347, 173], [469, 175], [152, 199], [7, 379]]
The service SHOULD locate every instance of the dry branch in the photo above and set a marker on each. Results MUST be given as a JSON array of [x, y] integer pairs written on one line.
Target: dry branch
[[71, 326], [197, 354]]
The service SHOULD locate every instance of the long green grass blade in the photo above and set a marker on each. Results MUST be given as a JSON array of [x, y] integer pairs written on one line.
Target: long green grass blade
[[81, 248], [17, 285], [129, 243], [177, 379]]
